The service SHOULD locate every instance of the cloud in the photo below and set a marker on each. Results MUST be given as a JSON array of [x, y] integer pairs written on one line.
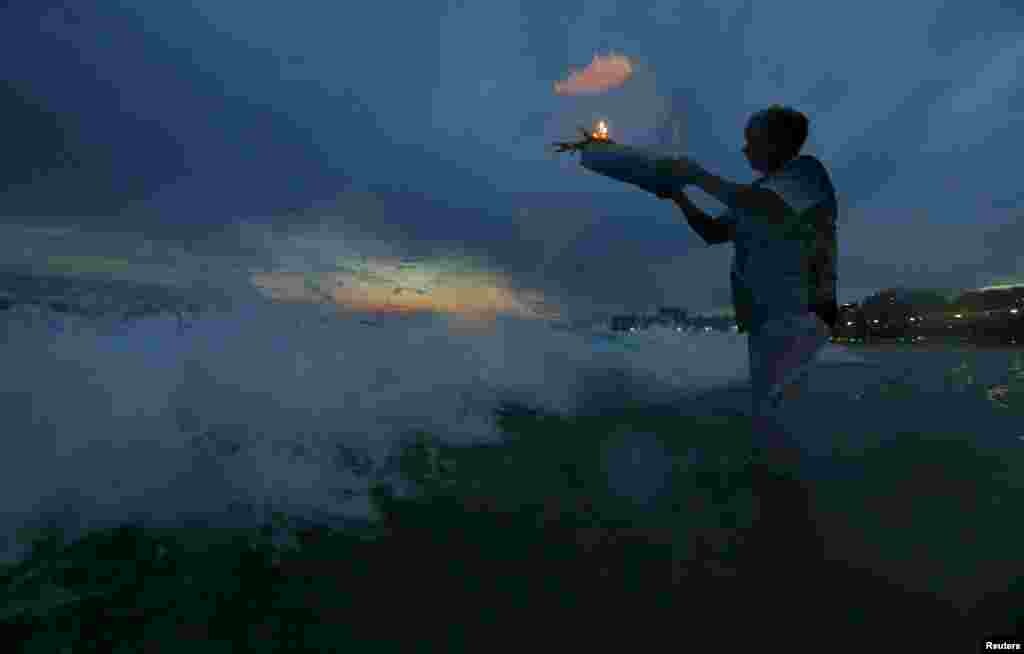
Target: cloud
[[602, 74]]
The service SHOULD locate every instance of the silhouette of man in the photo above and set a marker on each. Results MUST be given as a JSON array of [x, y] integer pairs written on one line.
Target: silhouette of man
[[783, 272], [784, 294]]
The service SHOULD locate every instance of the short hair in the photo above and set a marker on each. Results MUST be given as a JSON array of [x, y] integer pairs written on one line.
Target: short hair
[[787, 126]]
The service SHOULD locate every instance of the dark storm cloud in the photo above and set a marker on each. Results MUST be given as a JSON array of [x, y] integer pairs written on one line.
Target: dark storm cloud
[[34, 139], [163, 118], [56, 164]]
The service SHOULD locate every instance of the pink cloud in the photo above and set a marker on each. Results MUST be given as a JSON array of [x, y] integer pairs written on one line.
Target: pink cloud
[[602, 74]]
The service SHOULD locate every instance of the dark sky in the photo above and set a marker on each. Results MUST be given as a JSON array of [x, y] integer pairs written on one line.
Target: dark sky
[[422, 126]]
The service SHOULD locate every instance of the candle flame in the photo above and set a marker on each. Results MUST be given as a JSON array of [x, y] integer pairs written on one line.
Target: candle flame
[[600, 132]]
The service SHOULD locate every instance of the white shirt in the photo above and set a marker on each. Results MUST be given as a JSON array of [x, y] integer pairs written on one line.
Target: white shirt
[[780, 270]]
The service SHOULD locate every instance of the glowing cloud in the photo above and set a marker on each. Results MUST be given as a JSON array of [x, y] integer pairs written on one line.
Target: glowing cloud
[[602, 74], [454, 287]]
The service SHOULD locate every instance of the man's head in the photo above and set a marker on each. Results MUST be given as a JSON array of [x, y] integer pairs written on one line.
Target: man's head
[[773, 137]]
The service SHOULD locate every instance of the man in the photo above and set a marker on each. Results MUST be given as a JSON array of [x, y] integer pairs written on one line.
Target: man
[[783, 273], [783, 227], [784, 293]]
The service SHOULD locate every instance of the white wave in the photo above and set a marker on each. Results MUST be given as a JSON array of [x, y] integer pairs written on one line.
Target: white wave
[[270, 405]]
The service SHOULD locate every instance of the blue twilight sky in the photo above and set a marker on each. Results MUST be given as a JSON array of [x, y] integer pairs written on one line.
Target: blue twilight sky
[[420, 127]]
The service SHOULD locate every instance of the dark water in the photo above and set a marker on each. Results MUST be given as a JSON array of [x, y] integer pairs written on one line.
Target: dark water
[[927, 366], [895, 390]]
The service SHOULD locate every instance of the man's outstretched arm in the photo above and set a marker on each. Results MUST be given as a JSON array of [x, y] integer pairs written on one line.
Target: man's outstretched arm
[[746, 197], [709, 229]]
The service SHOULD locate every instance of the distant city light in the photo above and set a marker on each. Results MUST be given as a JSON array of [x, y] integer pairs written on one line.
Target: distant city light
[[876, 321], [959, 315], [1014, 310], [849, 322]]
